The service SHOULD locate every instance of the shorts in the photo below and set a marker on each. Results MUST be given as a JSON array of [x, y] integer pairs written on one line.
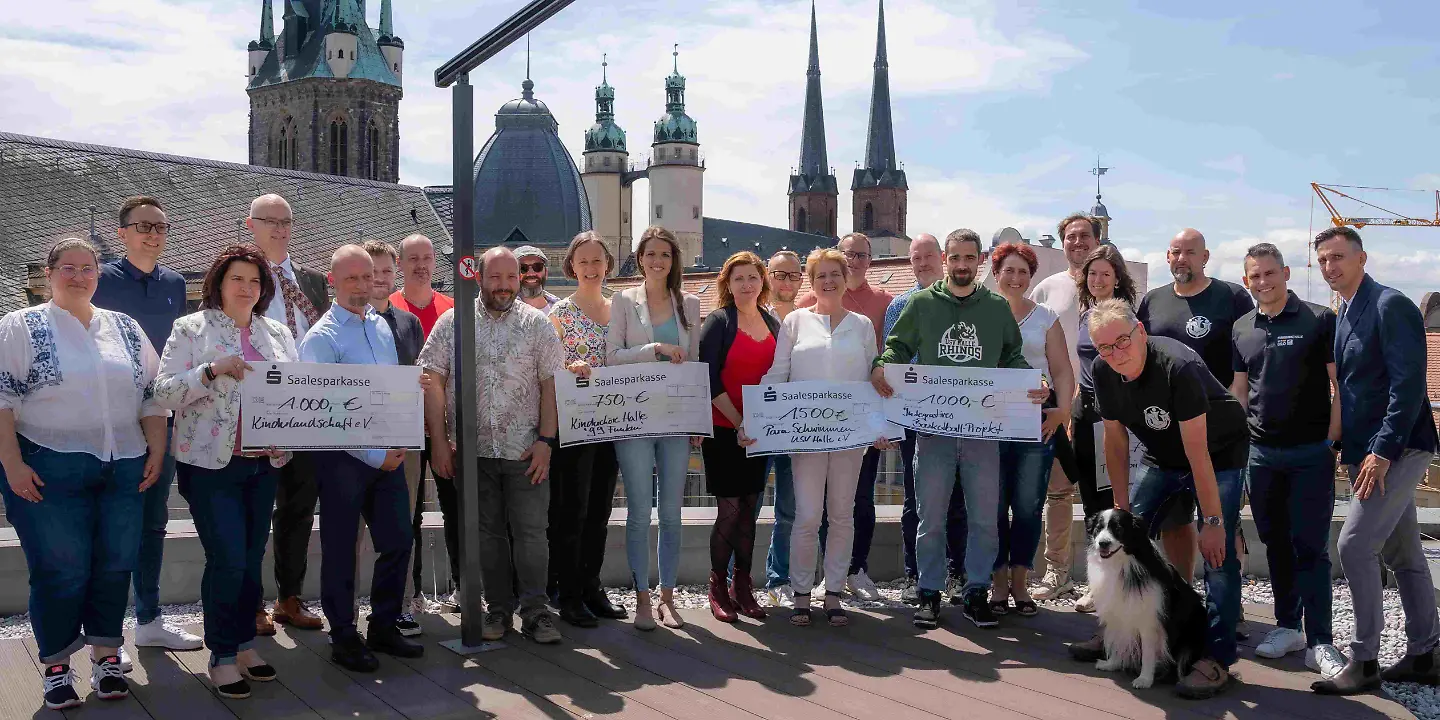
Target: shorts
[[1165, 499]]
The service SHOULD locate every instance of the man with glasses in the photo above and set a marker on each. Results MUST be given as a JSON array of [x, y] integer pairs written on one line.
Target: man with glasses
[[139, 286], [861, 298], [785, 279], [301, 297], [1196, 446], [533, 274]]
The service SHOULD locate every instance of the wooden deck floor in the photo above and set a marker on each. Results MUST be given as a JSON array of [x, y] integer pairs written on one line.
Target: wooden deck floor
[[879, 667]]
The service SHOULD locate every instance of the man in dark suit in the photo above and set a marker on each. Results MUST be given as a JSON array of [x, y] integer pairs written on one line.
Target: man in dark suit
[[302, 295], [1387, 439]]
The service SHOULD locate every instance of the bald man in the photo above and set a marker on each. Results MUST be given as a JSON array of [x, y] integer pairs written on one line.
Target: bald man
[[355, 482], [1196, 310], [300, 297], [517, 355]]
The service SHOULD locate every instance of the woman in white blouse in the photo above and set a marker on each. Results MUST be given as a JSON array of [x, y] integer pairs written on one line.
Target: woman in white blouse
[[231, 493], [823, 342], [81, 438], [1025, 466]]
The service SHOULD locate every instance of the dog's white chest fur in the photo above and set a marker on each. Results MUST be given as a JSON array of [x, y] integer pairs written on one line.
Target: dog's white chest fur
[[1131, 615]]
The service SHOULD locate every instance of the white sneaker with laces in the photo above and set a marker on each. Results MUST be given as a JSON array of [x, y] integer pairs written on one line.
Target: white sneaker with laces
[[1053, 585], [1280, 642], [450, 601], [1325, 659], [861, 586], [780, 596], [158, 633], [1086, 603]]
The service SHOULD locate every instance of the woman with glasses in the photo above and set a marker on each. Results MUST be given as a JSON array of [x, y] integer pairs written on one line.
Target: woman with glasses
[[582, 476], [656, 321], [1103, 276], [81, 438], [1025, 466], [738, 343], [231, 493]]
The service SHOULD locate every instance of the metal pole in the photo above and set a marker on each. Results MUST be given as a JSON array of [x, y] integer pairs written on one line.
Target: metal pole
[[464, 367]]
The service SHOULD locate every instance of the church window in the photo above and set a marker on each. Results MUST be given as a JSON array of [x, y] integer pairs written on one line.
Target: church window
[[286, 145], [695, 211], [800, 219], [659, 211], [373, 152], [352, 54], [902, 218], [692, 154], [397, 67], [869, 216], [339, 148], [607, 161]]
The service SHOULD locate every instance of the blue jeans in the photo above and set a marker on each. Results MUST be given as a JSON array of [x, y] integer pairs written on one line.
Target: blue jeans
[[1292, 493], [231, 507], [1153, 496], [146, 578], [348, 490], [80, 542], [777, 561], [955, 524], [642, 460], [938, 461], [1024, 476]]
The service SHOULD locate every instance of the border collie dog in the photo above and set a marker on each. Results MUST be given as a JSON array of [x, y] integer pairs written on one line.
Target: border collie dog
[[1149, 616]]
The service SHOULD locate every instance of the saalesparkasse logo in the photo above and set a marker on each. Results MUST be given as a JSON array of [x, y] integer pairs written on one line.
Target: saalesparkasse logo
[[272, 376], [960, 343], [911, 377], [770, 395], [582, 382]]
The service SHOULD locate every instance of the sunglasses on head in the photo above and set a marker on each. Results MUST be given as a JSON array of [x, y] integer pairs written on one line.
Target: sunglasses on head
[[532, 267]]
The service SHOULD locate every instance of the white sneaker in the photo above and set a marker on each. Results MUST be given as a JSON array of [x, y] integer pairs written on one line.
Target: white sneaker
[[450, 601], [1281, 642], [1325, 659], [1053, 585], [158, 633], [1086, 603], [861, 586], [125, 664], [419, 605], [780, 596]]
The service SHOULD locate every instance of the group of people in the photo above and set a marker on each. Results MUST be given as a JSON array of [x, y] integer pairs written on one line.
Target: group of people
[[1217, 387]]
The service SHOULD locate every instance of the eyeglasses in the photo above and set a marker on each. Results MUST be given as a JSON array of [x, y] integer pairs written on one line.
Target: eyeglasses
[[70, 272], [532, 267], [1120, 343], [788, 276], [849, 255], [148, 227], [276, 224]]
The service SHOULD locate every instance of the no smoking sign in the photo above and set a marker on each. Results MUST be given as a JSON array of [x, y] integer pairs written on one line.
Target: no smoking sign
[[468, 267]]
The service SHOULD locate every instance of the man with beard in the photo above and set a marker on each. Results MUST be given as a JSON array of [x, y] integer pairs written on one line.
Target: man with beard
[[958, 307], [517, 354], [785, 279], [928, 265], [534, 271], [360, 483]]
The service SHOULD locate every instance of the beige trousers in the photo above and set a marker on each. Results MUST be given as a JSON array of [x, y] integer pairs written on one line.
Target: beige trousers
[[823, 482], [1059, 515]]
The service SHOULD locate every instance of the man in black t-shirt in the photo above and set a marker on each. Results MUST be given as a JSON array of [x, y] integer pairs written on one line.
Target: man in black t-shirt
[[1196, 447], [1196, 310], [1284, 370]]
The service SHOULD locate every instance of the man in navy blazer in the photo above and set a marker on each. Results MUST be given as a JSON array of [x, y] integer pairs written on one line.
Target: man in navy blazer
[[1387, 439]]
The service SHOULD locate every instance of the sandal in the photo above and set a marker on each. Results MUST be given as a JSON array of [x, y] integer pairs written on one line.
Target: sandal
[[801, 616], [1000, 607], [836, 616], [1026, 608], [668, 616]]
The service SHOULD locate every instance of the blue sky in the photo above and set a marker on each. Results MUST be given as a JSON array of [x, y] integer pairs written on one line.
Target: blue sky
[[1214, 115]]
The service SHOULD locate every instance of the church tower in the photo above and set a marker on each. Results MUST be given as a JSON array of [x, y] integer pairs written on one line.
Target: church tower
[[606, 173], [814, 203], [325, 95], [879, 189], [676, 171]]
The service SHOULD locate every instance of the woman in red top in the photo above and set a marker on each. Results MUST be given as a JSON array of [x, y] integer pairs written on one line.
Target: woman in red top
[[738, 342]]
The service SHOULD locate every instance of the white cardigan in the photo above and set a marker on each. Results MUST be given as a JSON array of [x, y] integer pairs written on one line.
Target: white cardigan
[[631, 337], [206, 417], [808, 349]]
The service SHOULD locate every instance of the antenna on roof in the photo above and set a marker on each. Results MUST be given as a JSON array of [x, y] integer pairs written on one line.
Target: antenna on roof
[[604, 68], [527, 56]]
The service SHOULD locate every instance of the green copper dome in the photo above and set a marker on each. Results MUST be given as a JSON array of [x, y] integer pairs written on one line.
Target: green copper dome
[[676, 126], [605, 135]]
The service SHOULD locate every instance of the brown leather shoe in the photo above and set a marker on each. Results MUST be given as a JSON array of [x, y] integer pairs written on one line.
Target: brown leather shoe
[[291, 612], [263, 626]]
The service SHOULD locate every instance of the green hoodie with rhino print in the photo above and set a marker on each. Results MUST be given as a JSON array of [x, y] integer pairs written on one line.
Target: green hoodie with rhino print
[[937, 328]]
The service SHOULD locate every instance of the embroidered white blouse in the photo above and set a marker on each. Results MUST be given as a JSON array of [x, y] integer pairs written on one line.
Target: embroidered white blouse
[[75, 388], [206, 417]]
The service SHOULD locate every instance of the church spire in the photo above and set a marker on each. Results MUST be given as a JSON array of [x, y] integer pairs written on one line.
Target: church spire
[[267, 28], [387, 24], [813, 160], [880, 143]]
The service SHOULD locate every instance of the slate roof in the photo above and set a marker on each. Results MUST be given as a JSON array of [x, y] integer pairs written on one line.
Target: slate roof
[[724, 238], [50, 186], [310, 61]]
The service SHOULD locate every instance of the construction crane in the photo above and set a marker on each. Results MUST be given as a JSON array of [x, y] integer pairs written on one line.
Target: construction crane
[[1327, 194]]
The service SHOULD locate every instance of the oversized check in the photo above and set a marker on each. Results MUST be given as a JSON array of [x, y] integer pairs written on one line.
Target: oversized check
[[322, 406], [1137, 449], [983, 403], [634, 401], [815, 416]]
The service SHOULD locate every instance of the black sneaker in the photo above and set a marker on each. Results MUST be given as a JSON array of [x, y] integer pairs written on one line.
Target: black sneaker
[[927, 616], [107, 680], [407, 625], [910, 592], [977, 610], [60, 688]]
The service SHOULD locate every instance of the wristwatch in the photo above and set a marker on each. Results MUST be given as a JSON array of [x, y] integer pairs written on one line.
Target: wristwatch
[[1214, 521], [551, 441]]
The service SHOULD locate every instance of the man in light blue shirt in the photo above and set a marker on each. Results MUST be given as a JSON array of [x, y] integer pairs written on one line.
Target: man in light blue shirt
[[369, 481]]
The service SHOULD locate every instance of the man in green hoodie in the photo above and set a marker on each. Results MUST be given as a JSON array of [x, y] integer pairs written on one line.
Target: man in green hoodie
[[958, 322]]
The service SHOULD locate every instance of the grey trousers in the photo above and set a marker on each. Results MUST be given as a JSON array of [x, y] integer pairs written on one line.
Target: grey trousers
[[1383, 526], [512, 510]]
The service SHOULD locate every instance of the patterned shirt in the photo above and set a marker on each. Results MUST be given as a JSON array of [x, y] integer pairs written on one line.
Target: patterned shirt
[[514, 353], [582, 338]]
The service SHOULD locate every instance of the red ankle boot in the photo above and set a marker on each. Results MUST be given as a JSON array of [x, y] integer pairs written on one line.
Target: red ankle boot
[[742, 591], [720, 604]]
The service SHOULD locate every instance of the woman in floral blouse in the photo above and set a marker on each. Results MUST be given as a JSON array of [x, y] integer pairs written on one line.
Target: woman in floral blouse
[[583, 476], [231, 493]]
